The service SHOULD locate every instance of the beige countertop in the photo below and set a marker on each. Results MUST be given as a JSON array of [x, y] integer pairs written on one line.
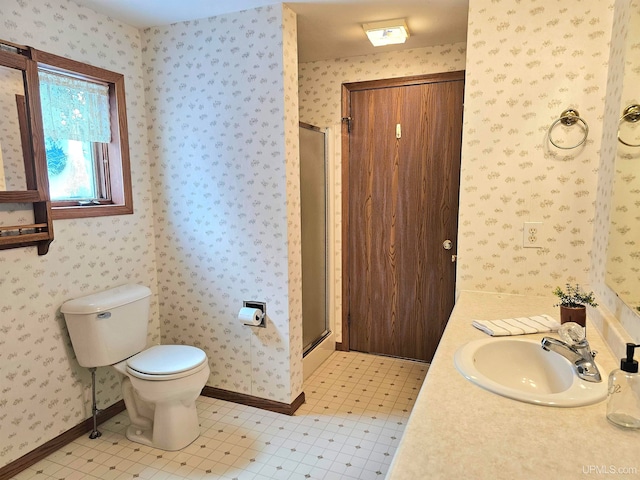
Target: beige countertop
[[458, 430]]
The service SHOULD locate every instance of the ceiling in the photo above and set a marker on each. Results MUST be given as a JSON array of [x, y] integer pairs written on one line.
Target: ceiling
[[326, 28]]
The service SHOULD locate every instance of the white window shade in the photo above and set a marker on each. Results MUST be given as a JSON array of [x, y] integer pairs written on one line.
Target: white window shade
[[74, 109]]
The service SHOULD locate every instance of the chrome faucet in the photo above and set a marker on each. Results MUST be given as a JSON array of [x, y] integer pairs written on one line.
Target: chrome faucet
[[579, 354]]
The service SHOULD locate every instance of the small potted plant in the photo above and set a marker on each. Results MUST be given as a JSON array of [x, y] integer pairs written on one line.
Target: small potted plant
[[573, 304]]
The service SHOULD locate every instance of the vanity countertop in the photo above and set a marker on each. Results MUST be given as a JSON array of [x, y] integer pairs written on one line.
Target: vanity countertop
[[459, 430]]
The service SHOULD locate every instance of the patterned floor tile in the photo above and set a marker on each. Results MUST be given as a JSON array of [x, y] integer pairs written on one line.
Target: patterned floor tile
[[356, 409]]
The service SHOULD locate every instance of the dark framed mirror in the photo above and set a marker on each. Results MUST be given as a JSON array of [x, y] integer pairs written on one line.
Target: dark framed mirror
[[15, 155], [23, 169]]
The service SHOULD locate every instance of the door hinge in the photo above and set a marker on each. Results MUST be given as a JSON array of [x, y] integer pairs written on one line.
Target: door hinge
[[348, 120], [349, 318]]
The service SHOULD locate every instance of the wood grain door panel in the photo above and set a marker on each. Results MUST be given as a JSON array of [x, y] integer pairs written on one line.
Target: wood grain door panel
[[403, 203]]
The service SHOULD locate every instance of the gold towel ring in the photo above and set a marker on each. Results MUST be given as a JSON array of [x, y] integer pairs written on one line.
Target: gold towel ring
[[568, 118], [631, 114]]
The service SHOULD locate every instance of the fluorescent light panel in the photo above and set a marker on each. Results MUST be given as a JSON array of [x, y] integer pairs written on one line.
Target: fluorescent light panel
[[388, 32]]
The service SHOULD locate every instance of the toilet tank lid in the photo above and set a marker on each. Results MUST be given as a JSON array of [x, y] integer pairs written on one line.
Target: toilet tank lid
[[106, 300], [167, 359]]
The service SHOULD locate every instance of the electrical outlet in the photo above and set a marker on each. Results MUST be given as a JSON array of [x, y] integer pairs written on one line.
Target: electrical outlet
[[531, 235]]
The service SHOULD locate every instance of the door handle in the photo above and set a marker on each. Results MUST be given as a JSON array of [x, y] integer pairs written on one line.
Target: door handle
[[448, 245]]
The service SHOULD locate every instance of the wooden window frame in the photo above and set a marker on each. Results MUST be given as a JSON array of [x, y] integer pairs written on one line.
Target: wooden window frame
[[119, 171]]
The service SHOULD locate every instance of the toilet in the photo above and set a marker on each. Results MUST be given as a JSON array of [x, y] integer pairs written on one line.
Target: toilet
[[160, 384]]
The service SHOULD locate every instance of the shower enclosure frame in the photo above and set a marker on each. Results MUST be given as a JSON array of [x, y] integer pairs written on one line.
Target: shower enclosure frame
[[319, 344]]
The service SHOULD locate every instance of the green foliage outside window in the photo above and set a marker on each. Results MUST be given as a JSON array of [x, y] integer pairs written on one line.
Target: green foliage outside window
[[56, 158]]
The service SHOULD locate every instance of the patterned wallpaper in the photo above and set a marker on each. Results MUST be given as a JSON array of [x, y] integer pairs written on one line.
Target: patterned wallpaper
[[294, 222], [321, 81], [226, 205], [320, 105], [526, 64], [43, 390]]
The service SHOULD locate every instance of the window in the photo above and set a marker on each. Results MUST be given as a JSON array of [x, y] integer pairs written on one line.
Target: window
[[85, 134]]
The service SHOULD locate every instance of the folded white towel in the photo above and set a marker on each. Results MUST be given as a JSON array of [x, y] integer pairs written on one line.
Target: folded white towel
[[517, 326]]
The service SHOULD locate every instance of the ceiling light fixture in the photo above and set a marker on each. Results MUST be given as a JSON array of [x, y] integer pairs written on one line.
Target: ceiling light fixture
[[388, 32]]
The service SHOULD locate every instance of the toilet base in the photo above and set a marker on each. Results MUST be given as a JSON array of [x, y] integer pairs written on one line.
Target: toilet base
[[138, 435], [175, 426], [167, 418]]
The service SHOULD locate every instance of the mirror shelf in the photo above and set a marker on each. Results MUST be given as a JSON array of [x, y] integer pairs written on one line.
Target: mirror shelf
[[25, 235], [23, 168]]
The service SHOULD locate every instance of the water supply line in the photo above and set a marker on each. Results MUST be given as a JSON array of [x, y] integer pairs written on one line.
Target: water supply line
[[94, 407]]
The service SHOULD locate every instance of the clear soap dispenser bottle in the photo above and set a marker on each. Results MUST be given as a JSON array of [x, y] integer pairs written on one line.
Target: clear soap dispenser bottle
[[623, 407]]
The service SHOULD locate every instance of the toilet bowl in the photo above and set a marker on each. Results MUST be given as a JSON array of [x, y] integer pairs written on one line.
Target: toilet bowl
[[160, 384]]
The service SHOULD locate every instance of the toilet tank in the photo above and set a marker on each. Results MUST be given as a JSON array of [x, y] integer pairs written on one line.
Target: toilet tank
[[108, 326]]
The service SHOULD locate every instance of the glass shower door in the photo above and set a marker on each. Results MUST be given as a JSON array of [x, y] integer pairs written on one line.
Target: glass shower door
[[313, 201]]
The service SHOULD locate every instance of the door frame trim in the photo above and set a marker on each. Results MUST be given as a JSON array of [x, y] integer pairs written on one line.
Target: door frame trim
[[347, 88]]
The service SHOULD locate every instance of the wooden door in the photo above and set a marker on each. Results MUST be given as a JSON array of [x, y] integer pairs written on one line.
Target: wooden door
[[402, 177]]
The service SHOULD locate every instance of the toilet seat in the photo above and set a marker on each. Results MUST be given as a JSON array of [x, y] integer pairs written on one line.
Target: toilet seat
[[166, 362]]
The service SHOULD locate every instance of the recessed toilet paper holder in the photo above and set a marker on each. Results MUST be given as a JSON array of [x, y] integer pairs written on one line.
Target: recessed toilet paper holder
[[262, 306]]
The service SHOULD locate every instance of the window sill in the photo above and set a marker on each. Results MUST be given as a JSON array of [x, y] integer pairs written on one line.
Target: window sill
[[60, 213]]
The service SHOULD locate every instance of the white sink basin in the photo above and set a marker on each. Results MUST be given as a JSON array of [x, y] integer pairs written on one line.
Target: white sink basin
[[520, 369]]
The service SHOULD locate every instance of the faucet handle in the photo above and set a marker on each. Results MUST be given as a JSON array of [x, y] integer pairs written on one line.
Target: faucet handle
[[571, 333]]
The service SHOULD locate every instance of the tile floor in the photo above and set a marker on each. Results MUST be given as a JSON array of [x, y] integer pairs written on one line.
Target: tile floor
[[356, 409]]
